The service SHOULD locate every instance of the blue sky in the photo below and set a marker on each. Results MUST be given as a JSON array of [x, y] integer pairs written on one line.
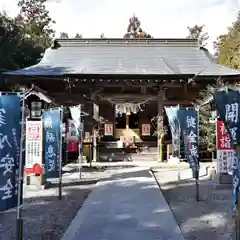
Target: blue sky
[[161, 18]]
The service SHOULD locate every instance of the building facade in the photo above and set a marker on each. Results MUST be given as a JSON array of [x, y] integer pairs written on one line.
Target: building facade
[[130, 80]]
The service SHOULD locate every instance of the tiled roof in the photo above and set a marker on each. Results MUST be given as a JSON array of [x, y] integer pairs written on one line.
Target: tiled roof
[[126, 56]]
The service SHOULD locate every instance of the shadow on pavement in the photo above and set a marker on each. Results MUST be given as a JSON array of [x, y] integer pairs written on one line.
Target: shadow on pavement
[[210, 218], [46, 217], [132, 208]]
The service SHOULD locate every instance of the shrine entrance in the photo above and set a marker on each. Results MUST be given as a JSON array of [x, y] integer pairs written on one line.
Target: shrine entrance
[[127, 121], [124, 84]]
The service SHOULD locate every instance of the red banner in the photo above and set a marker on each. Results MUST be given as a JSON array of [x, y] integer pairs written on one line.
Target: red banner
[[223, 138], [72, 146]]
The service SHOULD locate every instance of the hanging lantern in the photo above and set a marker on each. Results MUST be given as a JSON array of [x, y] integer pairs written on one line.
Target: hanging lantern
[[36, 109]]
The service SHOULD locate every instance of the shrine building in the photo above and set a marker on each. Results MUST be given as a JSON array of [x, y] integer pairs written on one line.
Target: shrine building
[[124, 84]]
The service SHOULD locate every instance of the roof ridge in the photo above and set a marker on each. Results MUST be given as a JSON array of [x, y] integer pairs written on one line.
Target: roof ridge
[[124, 41]]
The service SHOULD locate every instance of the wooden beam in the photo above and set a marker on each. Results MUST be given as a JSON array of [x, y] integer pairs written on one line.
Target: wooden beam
[[143, 89], [185, 87], [177, 102]]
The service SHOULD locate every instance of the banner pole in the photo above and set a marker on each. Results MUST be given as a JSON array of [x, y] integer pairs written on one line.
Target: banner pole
[[198, 164], [60, 156], [19, 219], [197, 185], [80, 143], [66, 140], [237, 223]]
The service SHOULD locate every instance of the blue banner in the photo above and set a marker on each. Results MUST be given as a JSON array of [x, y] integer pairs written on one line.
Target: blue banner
[[10, 131], [51, 142], [188, 119], [227, 102], [172, 114]]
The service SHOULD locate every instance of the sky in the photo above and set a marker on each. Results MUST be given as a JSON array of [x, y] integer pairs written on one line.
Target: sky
[[160, 18]]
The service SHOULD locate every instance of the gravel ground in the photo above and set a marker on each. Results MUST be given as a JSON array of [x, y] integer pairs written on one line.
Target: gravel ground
[[209, 219], [46, 217]]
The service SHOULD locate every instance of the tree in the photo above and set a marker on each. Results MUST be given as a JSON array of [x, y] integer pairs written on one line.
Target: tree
[[63, 35], [206, 129], [197, 31], [227, 46], [24, 39], [134, 30], [79, 36], [35, 33], [10, 39], [36, 22]]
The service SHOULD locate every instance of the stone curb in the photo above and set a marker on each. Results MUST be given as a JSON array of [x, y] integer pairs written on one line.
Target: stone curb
[[71, 182], [159, 186], [70, 233]]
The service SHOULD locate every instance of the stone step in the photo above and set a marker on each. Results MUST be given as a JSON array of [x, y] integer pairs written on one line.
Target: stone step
[[127, 157]]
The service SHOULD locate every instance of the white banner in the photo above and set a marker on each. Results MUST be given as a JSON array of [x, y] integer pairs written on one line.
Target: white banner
[[96, 112], [225, 161], [34, 139], [108, 129]]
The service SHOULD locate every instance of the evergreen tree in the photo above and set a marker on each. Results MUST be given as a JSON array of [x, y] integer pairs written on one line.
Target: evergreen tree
[[36, 22], [206, 129], [228, 46], [36, 31], [134, 29], [24, 39], [79, 36], [64, 35], [10, 39], [197, 31]]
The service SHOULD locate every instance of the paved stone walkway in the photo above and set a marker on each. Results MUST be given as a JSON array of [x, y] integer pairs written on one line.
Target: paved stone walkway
[[128, 206]]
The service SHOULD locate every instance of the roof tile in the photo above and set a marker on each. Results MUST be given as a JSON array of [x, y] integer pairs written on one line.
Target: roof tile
[[127, 56]]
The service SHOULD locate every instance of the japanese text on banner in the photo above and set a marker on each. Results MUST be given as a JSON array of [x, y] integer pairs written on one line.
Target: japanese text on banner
[[189, 124], [231, 117], [33, 153], [52, 142], [9, 150], [223, 138], [227, 104], [192, 136], [224, 149]]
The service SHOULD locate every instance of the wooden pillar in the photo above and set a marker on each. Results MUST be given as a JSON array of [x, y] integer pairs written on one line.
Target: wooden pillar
[[107, 111], [94, 133], [127, 121], [160, 127], [112, 111], [94, 146]]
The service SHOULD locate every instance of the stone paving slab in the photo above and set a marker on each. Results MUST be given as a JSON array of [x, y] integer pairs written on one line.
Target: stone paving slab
[[130, 206]]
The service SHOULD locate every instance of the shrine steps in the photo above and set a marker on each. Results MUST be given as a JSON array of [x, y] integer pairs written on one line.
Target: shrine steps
[[108, 152]]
